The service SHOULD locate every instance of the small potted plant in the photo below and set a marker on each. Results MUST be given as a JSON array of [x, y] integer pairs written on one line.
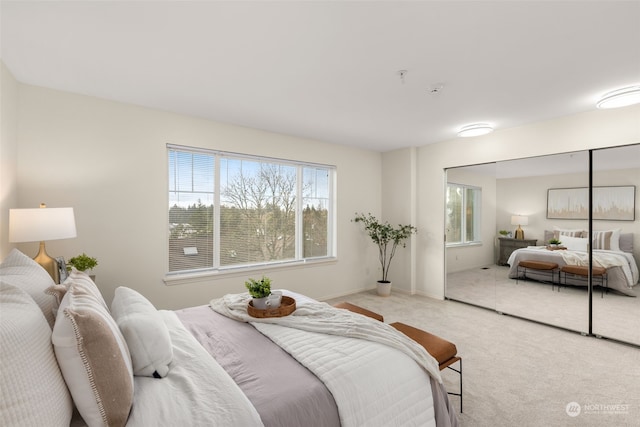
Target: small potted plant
[[259, 290], [387, 237], [554, 243], [503, 233], [83, 263]]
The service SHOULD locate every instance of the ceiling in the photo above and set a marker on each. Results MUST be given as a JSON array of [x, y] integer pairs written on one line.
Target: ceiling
[[328, 70]]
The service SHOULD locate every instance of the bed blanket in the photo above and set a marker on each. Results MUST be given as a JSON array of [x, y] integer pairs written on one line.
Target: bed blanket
[[324, 339], [196, 392], [322, 318], [603, 259]]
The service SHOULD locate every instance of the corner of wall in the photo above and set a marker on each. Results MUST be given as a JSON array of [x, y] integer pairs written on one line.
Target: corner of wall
[[8, 153]]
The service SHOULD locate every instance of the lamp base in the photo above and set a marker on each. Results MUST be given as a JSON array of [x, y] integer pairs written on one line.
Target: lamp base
[[48, 263], [519, 233]]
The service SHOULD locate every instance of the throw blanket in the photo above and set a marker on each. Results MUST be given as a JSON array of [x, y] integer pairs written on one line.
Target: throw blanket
[[320, 317], [357, 358], [601, 259]]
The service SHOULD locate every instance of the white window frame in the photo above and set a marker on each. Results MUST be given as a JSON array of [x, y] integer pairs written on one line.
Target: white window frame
[[477, 217], [176, 277]]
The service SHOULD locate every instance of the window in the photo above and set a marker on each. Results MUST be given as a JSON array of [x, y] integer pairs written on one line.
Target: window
[[463, 214], [228, 210]]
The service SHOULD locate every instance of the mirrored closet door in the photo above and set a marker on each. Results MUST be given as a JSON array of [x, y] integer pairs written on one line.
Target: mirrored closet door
[[512, 265], [616, 243], [470, 219], [533, 286]]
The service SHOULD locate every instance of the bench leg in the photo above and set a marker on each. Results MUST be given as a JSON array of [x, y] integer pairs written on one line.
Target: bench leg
[[460, 373]]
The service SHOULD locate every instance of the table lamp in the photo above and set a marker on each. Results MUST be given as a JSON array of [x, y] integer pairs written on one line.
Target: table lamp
[[39, 225], [519, 220]]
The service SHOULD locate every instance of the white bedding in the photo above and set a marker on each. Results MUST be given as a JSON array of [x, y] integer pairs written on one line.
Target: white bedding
[[197, 391], [324, 339], [357, 383], [622, 269]]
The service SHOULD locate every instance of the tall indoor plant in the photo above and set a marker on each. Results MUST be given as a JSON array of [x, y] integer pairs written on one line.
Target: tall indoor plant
[[387, 237]]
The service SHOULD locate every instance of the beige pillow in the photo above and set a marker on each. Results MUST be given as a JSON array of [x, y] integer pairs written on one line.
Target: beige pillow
[[20, 271], [557, 232], [608, 240], [33, 390], [93, 356]]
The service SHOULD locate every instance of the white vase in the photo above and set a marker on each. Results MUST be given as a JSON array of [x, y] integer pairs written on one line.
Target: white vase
[[384, 288], [260, 303]]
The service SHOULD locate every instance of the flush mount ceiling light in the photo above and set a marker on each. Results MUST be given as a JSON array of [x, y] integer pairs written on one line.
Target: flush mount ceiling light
[[620, 98], [475, 129]]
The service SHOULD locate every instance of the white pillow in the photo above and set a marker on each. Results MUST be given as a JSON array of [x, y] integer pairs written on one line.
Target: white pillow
[[574, 243], [20, 271], [93, 356], [144, 330], [33, 390]]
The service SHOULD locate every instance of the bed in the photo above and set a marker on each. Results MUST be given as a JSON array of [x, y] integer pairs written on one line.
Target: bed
[[613, 251], [68, 359]]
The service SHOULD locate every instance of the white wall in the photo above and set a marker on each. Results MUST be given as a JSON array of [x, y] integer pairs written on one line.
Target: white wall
[[8, 154], [108, 160], [398, 186], [594, 129]]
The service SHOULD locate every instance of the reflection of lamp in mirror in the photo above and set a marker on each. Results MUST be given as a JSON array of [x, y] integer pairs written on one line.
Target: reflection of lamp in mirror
[[39, 225], [519, 220]]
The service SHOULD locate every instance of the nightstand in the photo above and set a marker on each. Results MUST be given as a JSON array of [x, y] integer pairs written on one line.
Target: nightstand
[[508, 245]]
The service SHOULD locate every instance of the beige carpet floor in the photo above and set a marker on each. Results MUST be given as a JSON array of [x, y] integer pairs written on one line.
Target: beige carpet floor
[[615, 315], [522, 373]]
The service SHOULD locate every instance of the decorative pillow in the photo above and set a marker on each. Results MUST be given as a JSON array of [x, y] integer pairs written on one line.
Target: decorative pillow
[[78, 278], [33, 390], [557, 232], [575, 243], [608, 240], [20, 271], [144, 330], [93, 356]]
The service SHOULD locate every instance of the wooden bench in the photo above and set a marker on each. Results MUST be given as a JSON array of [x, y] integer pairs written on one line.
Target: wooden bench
[[540, 267], [443, 351], [582, 271], [359, 310]]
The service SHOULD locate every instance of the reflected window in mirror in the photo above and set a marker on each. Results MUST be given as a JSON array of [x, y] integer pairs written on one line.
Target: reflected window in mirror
[[464, 214]]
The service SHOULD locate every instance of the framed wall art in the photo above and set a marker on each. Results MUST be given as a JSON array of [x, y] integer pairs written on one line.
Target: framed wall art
[[616, 203]]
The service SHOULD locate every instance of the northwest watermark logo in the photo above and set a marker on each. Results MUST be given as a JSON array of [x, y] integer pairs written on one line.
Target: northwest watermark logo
[[573, 409]]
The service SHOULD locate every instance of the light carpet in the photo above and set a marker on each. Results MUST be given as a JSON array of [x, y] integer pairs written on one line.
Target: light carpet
[[522, 373]]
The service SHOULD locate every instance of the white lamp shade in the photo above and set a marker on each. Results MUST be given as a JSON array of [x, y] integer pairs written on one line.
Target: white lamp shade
[[519, 220], [41, 224]]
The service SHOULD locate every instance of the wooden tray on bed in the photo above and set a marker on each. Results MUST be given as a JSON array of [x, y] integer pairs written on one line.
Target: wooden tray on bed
[[287, 306]]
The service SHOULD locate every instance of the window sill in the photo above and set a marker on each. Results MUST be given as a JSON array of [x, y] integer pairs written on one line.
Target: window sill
[[462, 245], [208, 275]]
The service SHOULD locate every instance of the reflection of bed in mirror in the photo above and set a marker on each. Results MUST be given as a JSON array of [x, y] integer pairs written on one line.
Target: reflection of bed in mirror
[[621, 267]]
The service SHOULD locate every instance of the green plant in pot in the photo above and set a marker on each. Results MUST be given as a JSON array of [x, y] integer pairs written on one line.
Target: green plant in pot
[[259, 290], [387, 237], [553, 242], [82, 262]]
